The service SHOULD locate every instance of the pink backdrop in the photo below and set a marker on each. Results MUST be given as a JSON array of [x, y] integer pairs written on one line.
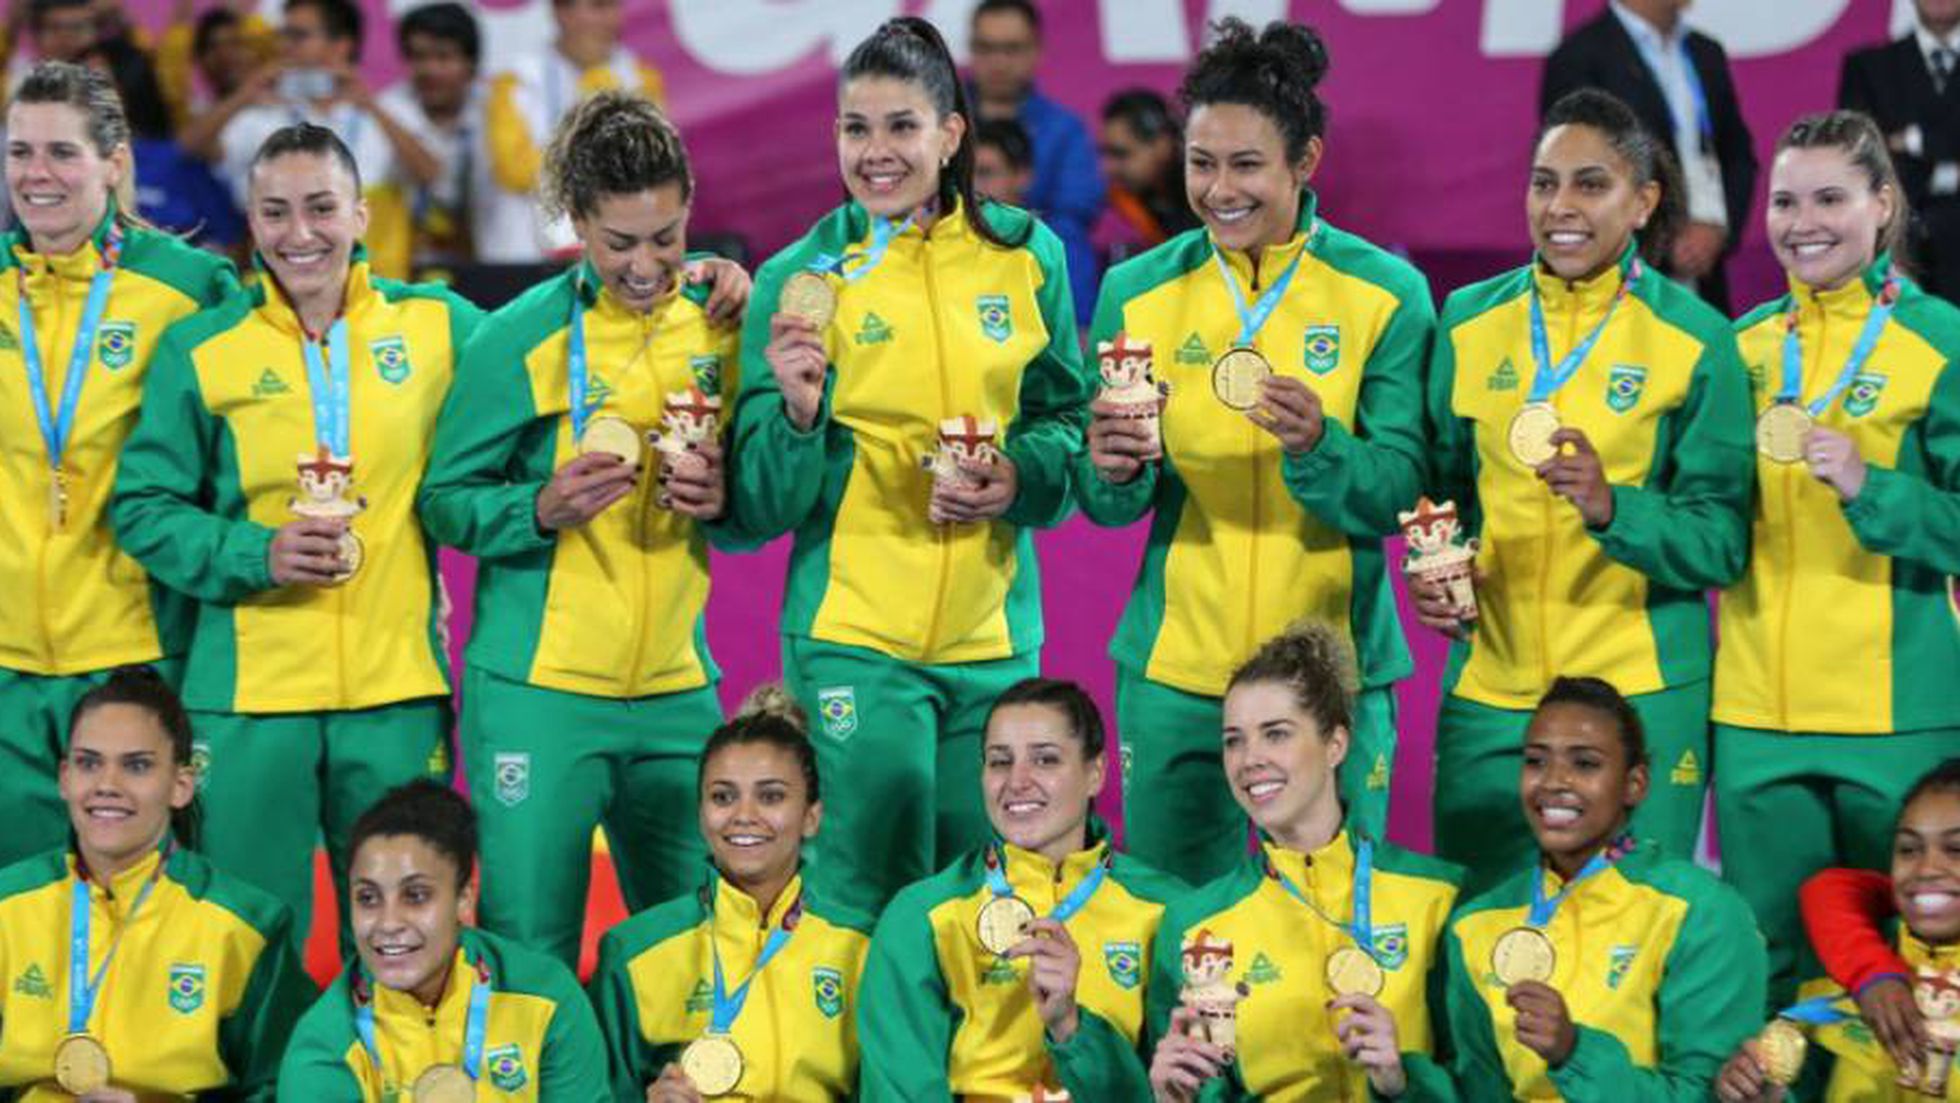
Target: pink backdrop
[[1432, 106]]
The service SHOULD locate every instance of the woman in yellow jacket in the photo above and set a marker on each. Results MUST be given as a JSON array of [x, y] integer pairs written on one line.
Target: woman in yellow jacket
[[1834, 685], [87, 293], [1265, 507], [911, 329], [1590, 420], [188, 983], [1017, 972], [1275, 979], [747, 987]]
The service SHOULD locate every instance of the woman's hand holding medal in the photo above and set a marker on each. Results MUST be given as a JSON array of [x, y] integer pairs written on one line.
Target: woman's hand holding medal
[[1119, 445], [306, 552], [1833, 460], [994, 485], [698, 490], [1368, 1037], [796, 356], [1578, 477], [1054, 963], [582, 489], [672, 1087], [1291, 411], [1544, 1024]]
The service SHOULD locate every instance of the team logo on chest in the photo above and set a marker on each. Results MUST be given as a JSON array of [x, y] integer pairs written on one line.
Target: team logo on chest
[[1323, 348], [707, 373], [390, 358], [827, 985], [1392, 945], [1193, 351], [1862, 398], [1124, 960], [1505, 378], [873, 330], [506, 1067], [1624, 384], [186, 988], [996, 321], [116, 345], [1619, 964], [512, 770], [839, 710]]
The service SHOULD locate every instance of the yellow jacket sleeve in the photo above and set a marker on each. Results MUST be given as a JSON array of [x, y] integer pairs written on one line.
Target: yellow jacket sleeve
[[514, 155]]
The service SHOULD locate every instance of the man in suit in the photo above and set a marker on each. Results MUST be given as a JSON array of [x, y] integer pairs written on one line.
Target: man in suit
[[1910, 88], [1677, 81]]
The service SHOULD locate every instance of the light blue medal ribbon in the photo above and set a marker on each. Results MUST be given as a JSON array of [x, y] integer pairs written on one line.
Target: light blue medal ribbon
[[58, 426], [576, 365], [1543, 909], [1074, 902], [1792, 389], [82, 989], [330, 382], [853, 267], [1362, 928], [1253, 318], [474, 1026], [1818, 1011], [1547, 377], [727, 1005]]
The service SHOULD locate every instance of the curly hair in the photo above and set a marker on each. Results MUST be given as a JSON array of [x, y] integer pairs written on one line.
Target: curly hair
[[1313, 660], [613, 143], [1273, 71]]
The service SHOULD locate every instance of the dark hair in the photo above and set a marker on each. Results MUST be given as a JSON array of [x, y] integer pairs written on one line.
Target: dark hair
[[910, 49], [445, 21], [1314, 661], [40, 9], [341, 19], [771, 717], [1023, 8], [307, 138], [1085, 720], [1274, 72], [209, 25], [1854, 134], [612, 143], [1599, 695], [142, 687], [1648, 160], [428, 810], [1008, 136], [1943, 778], [1144, 111], [95, 96]]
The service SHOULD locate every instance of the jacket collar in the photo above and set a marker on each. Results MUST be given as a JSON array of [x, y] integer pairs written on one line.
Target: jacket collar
[[1332, 862], [1852, 301], [1028, 870], [1273, 259], [126, 885], [1587, 295], [598, 298], [80, 265], [278, 310], [735, 910]]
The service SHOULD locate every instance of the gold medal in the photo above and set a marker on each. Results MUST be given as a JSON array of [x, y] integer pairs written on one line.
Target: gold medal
[[1530, 435], [713, 1064], [81, 1065], [1780, 432], [1238, 376], [1780, 1051], [352, 553], [809, 296], [612, 435], [1351, 972], [1522, 954], [1001, 922], [443, 1084]]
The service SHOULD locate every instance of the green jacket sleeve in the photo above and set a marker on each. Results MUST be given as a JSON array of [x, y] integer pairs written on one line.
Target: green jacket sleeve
[[479, 494], [776, 470], [1713, 991], [1055, 389], [573, 1066], [629, 1060], [1428, 1073], [1099, 1063], [315, 1065], [1688, 529], [162, 509], [1103, 502], [1476, 1067], [905, 1014], [1451, 449], [252, 1038], [1913, 512], [1358, 480]]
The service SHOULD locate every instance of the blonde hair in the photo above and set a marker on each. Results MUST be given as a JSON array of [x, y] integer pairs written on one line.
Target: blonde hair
[[105, 121], [1313, 660]]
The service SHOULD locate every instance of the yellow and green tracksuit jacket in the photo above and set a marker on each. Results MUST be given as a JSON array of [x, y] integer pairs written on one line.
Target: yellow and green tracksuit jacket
[[797, 1030], [1662, 970], [946, 326], [1843, 623], [211, 472], [1861, 1071], [76, 601], [941, 1017], [1664, 401], [1245, 538], [204, 988], [1287, 1049], [612, 608], [540, 1039]]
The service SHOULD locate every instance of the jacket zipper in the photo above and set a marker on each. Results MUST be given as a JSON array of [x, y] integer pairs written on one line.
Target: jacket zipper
[[1790, 542], [1545, 510], [1252, 433], [641, 516], [941, 534], [41, 559]]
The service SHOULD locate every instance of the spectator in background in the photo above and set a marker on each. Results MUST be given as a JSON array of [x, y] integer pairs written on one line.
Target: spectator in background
[[1067, 191], [317, 81], [1003, 162], [442, 103], [60, 30], [220, 49], [1142, 154], [1909, 88], [175, 192], [1677, 81], [526, 102]]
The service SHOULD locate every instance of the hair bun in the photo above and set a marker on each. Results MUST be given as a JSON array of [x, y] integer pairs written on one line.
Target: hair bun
[[772, 699], [1300, 50]]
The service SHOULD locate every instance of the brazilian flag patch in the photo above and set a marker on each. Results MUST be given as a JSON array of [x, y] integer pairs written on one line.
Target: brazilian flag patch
[[390, 358], [116, 345]]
